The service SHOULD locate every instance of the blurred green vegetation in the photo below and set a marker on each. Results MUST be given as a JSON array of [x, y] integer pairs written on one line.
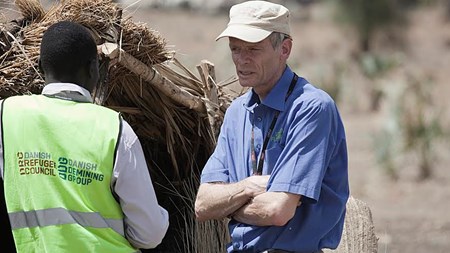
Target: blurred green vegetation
[[413, 128], [415, 124], [375, 67], [368, 17]]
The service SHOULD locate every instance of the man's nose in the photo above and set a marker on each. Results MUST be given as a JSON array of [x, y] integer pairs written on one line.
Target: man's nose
[[244, 56]]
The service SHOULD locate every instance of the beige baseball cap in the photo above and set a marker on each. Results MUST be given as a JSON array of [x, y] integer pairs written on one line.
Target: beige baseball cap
[[253, 21]]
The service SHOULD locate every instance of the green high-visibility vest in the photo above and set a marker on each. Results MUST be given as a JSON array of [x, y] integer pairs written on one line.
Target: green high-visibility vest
[[58, 162]]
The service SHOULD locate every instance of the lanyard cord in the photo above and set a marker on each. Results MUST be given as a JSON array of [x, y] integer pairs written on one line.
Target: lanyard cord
[[257, 167]]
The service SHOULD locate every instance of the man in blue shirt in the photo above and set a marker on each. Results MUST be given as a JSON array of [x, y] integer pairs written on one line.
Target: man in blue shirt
[[279, 170]]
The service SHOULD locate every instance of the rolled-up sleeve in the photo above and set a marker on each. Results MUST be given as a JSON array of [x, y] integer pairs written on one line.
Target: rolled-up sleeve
[[215, 169]]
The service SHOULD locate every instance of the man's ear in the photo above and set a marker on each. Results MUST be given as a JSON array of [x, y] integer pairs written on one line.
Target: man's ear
[[93, 68], [93, 73], [40, 66], [286, 47]]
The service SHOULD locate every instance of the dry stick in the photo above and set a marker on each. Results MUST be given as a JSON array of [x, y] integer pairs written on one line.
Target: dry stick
[[207, 74], [152, 76]]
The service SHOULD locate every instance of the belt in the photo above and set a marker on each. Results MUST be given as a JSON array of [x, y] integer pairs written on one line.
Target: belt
[[275, 251]]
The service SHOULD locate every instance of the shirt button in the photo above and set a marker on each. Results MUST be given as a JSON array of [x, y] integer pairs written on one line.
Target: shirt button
[[236, 245], [259, 119], [258, 146]]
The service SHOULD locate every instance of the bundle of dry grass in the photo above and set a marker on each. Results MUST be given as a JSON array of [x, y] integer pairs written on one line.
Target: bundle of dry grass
[[175, 114]]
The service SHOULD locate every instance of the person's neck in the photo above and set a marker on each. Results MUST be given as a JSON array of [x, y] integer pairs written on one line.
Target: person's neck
[[263, 93], [265, 90], [52, 79]]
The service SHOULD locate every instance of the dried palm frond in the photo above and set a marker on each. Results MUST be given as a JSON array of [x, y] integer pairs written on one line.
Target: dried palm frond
[[101, 16], [31, 10]]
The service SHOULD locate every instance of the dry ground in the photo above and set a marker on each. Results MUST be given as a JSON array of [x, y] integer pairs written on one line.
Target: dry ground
[[409, 216]]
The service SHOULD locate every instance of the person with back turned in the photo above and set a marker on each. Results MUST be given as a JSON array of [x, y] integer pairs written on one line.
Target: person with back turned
[[279, 170], [74, 174]]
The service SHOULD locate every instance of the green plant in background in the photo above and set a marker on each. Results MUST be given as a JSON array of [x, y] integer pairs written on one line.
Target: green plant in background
[[386, 152], [414, 125], [374, 67], [421, 123], [368, 17], [387, 142]]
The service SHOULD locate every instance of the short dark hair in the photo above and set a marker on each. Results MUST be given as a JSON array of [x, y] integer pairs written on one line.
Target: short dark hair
[[66, 47]]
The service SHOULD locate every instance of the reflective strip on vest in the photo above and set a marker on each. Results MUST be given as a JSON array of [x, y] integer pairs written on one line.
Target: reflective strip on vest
[[60, 216]]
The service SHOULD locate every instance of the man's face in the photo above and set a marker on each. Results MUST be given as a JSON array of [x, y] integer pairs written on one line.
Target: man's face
[[258, 65]]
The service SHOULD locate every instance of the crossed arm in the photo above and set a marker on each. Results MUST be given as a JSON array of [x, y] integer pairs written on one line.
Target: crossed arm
[[246, 201]]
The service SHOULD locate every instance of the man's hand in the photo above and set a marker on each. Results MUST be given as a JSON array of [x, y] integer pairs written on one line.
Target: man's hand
[[256, 185]]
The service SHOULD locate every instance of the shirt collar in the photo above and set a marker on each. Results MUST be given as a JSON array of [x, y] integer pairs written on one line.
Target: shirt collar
[[277, 95], [67, 91]]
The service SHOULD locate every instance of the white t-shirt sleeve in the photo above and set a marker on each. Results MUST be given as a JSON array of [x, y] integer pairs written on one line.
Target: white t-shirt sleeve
[[146, 222]]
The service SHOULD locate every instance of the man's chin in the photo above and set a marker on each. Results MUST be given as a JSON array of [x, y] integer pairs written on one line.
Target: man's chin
[[246, 82]]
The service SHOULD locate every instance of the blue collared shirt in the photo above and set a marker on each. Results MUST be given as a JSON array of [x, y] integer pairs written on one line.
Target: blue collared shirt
[[306, 155]]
